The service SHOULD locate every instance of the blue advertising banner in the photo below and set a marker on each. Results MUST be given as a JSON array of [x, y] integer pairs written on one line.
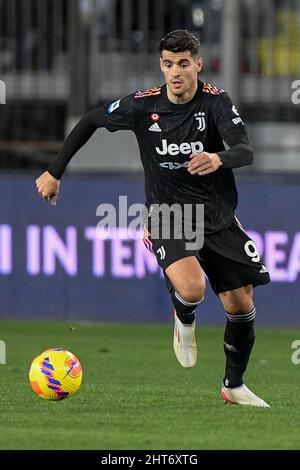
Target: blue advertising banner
[[53, 265]]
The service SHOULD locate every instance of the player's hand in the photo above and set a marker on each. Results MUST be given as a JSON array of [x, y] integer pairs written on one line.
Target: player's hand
[[204, 163], [48, 187]]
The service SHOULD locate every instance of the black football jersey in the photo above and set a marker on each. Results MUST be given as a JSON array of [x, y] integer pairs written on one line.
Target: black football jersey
[[167, 135]]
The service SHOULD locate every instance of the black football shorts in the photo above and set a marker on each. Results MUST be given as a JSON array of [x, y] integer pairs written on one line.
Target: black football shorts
[[229, 258]]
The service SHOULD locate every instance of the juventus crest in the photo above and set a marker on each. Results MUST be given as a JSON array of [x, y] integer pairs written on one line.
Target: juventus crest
[[200, 118]]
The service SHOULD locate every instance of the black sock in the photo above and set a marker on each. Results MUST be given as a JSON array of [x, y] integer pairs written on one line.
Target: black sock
[[239, 339], [185, 311]]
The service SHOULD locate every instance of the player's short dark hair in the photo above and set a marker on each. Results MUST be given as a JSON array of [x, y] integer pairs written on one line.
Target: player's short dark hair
[[180, 40]]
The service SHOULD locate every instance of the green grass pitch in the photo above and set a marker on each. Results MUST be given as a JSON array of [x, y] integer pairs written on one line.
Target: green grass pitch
[[135, 395]]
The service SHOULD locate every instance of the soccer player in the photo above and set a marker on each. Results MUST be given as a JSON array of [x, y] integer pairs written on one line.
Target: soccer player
[[190, 137]]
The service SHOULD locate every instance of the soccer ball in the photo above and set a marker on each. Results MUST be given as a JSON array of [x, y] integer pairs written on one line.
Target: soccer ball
[[55, 374]]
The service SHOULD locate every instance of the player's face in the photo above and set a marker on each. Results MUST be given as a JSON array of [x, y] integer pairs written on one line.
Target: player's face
[[180, 70]]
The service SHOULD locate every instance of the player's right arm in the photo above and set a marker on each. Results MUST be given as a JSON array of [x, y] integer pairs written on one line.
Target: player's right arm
[[48, 187], [118, 115]]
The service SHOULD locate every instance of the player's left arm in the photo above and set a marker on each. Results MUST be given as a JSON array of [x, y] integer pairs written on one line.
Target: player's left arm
[[231, 128]]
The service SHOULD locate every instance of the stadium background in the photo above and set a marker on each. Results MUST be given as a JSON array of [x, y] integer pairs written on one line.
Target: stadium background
[[58, 59]]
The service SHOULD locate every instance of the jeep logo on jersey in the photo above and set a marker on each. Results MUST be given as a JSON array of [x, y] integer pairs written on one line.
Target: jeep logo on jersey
[[200, 118], [185, 148]]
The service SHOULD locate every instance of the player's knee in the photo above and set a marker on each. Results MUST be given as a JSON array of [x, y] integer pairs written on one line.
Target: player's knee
[[191, 290], [239, 301], [239, 307]]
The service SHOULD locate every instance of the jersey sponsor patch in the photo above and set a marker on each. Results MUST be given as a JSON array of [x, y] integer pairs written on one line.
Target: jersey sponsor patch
[[235, 110], [113, 106], [155, 117], [151, 92], [237, 120], [212, 90]]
